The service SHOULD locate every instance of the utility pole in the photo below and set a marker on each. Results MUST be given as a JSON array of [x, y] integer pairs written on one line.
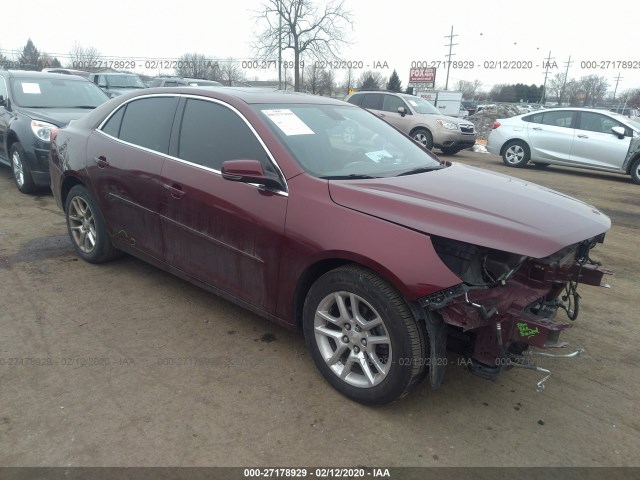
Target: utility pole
[[279, 45], [617, 79], [564, 82], [546, 73], [450, 45]]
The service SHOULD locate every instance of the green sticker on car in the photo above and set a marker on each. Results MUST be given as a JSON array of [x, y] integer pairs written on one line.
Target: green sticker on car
[[526, 331]]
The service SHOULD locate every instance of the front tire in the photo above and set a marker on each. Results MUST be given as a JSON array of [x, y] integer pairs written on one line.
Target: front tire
[[516, 154], [363, 337], [635, 171], [87, 228], [423, 137], [21, 171]]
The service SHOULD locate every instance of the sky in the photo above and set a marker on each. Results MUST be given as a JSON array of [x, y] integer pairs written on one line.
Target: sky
[[398, 34]]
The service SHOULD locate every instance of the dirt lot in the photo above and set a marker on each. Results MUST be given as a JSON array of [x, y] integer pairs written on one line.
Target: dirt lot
[[138, 367]]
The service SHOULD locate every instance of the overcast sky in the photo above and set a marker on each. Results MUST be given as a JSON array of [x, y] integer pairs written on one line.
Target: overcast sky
[[397, 32]]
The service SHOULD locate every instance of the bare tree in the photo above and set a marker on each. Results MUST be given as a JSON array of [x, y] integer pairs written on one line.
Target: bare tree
[[371, 80], [595, 88], [83, 58], [556, 87], [196, 65], [349, 80], [327, 82], [230, 72], [574, 92], [300, 26], [312, 75], [469, 89]]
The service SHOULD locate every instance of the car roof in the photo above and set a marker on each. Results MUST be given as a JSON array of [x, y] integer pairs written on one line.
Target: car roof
[[34, 74], [249, 95]]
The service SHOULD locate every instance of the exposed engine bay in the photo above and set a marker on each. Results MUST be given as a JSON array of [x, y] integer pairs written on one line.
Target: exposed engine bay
[[507, 303]]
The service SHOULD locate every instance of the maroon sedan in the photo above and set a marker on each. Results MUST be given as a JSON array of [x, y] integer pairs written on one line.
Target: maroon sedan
[[316, 214]]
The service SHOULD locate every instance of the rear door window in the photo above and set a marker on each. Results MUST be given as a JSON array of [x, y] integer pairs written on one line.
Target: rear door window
[[147, 122], [373, 101]]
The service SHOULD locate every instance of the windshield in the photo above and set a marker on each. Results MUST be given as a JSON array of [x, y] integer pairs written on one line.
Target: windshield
[[420, 105], [342, 142], [56, 93], [124, 81]]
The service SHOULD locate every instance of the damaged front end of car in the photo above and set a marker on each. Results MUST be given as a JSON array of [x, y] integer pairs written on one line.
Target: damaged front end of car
[[505, 304]]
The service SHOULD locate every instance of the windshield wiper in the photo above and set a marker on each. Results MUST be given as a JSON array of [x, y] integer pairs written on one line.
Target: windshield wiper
[[353, 176], [421, 170]]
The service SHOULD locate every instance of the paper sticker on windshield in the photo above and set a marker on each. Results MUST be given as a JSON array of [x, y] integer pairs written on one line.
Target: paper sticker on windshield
[[288, 122], [379, 155], [29, 87]]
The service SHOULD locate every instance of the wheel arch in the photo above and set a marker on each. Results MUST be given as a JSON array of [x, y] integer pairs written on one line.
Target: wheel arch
[[420, 127], [65, 187], [315, 270], [506, 144], [632, 162]]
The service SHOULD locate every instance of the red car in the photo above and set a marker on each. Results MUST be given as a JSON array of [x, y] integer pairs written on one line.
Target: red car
[[384, 256]]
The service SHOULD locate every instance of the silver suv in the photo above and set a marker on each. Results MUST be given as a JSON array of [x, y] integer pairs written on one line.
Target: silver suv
[[419, 119]]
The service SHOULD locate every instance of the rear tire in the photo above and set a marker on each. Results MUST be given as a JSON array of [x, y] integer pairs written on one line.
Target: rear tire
[[21, 171], [363, 337], [87, 228], [516, 154]]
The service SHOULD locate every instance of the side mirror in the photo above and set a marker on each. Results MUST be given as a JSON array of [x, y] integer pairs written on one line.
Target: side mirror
[[248, 171], [618, 131], [402, 111]]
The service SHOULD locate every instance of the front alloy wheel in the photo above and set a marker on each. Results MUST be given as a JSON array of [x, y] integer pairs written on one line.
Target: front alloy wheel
[[362, 336], [21, 172], [352, 339]]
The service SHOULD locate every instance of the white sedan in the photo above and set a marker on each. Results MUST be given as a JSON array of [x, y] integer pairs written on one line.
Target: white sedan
[[573, 137]]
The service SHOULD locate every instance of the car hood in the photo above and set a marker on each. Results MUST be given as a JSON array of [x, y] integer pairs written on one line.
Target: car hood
[[58, 116], [476, 206]]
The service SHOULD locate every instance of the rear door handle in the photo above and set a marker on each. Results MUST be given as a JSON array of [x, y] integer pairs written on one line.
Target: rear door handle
[[583, 136], [101, 161], [537, 128], [175, 190]]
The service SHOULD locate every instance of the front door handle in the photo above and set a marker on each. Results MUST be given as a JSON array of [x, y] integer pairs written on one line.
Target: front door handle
[[583, 136], [175, 190], [101, 161], [537, 128]]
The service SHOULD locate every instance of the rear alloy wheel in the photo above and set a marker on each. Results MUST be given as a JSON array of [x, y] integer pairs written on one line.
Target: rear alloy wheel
[[21, 171], [516, 154], [86, 227], [423, 137], [362, 336], [635, 171]]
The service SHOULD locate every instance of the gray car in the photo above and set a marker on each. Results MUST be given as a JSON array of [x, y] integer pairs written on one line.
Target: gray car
[[573, 137], [419, 119]]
